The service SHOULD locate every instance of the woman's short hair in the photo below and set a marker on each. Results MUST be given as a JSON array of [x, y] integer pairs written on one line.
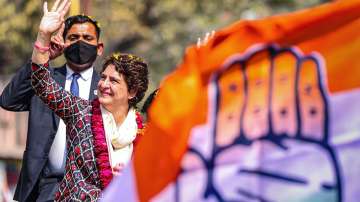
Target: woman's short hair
[[135, 72]]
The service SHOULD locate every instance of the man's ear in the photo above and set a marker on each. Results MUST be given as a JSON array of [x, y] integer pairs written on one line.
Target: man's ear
[[100, 48]]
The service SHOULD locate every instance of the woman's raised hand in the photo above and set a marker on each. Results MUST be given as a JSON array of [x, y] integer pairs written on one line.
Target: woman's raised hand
[[53, 19], [51, 22]]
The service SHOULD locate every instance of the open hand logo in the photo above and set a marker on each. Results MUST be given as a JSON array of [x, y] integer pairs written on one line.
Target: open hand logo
[[266, 138]]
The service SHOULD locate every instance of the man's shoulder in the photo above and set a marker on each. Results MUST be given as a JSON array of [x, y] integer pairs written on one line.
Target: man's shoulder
[[58, 68], [96, 74]]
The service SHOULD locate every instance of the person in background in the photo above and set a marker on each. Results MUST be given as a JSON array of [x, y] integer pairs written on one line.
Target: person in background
[[149, 100], [43, 163]]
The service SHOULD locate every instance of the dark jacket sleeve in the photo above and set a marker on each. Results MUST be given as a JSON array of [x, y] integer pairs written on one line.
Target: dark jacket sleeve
[[67, 106], [16, 96]]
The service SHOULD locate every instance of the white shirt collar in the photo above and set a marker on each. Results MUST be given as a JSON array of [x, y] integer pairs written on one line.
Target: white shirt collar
[[85, 75]]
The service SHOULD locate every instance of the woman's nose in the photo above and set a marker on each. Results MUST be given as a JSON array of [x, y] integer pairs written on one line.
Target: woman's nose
[[105, 83]]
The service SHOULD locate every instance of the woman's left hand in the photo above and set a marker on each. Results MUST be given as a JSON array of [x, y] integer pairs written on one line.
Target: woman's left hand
[[50, 22], [117, 170]]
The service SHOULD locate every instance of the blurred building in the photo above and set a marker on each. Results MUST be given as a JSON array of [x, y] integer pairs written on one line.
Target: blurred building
[[13, 128]]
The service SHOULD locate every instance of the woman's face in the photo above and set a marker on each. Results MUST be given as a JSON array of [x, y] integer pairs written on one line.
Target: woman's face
[[112, 89]]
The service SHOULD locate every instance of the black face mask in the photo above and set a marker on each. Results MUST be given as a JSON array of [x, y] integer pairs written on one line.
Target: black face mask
[[81, 53]]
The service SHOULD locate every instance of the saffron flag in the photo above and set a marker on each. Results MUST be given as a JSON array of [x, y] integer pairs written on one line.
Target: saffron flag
[[267, 110]]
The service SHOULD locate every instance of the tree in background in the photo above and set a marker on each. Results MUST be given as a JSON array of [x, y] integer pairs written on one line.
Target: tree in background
[[158, 30], [18, 25]]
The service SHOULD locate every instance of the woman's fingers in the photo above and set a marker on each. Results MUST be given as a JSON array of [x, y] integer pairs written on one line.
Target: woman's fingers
[[62, 6], [118, 168], [198, 44], [55, 6], [56, 40], [208, 36], [55, 50], [65, 10], [45, 8], [61, 30]]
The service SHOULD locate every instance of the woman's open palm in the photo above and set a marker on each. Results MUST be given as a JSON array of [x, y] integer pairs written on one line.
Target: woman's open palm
[[53, 19]]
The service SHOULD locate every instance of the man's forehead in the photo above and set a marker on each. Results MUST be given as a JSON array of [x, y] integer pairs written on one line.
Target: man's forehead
[[82, 28]]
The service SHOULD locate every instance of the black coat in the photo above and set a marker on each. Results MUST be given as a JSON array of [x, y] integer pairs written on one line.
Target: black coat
[[18, 95]]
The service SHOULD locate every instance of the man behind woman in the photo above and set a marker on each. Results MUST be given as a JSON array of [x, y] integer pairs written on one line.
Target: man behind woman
[[100, 132]]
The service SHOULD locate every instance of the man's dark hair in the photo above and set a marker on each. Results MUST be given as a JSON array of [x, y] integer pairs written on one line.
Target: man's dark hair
[[80, 19], [135, 72]]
